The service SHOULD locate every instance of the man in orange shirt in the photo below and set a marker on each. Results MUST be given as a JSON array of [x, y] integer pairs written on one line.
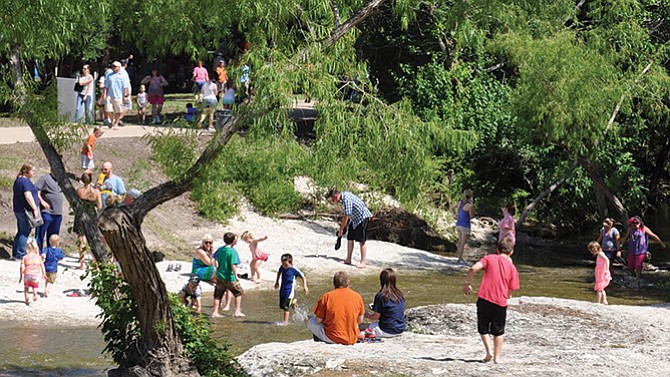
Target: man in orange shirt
[[87, 150], [338, 314]]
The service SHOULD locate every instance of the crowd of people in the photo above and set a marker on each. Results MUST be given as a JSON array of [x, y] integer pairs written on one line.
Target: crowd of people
[[338, 317], [115, 93]]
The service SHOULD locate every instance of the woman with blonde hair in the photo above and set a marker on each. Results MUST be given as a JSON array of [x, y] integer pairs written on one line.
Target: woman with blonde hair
[[25, 202], [204, 264]]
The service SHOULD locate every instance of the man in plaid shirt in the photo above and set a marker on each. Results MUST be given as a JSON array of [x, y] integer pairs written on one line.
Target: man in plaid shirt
[[356, 214]]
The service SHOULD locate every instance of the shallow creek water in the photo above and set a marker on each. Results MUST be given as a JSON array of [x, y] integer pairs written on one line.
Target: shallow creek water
[[27, 351]]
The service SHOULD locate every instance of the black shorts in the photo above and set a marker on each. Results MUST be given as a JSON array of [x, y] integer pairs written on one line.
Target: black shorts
[[359, 233], [285, 303], [490, 318]]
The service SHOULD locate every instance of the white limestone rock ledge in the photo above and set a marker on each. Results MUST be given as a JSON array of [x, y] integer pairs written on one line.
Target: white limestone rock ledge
[[544, 337]]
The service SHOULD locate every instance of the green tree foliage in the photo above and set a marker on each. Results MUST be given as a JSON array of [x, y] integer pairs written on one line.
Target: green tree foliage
[[121, 330]]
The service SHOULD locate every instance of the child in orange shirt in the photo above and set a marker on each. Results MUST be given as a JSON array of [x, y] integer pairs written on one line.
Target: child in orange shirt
[[87, 151]]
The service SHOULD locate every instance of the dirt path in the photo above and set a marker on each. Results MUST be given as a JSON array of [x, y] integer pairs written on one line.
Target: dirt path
[[11, 135]]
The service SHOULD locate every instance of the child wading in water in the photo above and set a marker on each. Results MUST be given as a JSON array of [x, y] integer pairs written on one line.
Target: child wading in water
[[602, 274], [32, 270], [257, 256], [288, 273], [500, 279]]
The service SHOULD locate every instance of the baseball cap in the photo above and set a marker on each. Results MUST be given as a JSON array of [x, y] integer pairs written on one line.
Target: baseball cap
[[116, 64], [134, 193], [194, 279], [634, 220]]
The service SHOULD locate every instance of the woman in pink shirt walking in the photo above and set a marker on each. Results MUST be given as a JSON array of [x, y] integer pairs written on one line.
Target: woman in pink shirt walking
[[200, 77]]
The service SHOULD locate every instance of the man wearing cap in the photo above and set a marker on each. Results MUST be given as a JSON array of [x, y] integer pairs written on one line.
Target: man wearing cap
[[131, 196], [127, 103], [356, 215], [117, 90]]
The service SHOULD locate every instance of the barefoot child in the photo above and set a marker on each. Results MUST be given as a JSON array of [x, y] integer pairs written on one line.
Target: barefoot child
[[226, 276], [288, 273], [257, 256], [193, 291], [51, 255], [388, 308], [142, 99], [500, 279], [602, 273], [32, 270]]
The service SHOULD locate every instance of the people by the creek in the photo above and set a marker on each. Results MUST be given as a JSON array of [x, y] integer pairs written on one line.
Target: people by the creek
[[191, 294], [155, 84], [51, 256], [116, 93], [210, 102], [609, 239], [287, 274], [51, 200], [229, 91], [142, 100], [602, 273], [111, 186], [388, 308], [227, 260], [500, 280], [222, 75], [127, 103], [25, 202], [200, 78], [32, 270], [637, 236], [257, 255], [464, 211], [354, 221], [84, 109], [338, 313], [204, 264], [89, 194], [88, 149], [507, 227]]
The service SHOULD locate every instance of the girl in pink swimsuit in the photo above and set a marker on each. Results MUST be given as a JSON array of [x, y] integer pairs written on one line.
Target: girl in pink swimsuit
[[257, 256]]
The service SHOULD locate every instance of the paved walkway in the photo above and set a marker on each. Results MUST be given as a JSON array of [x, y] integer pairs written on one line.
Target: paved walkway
[[11, 135]]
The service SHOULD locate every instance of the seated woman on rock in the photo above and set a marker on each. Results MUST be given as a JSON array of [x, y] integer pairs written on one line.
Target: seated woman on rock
[[388, 308], [204, 264]]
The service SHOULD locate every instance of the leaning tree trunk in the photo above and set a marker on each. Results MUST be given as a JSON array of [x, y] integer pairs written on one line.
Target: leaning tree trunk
[[600, 185], [84, 214], [163, 354], [601, 201]]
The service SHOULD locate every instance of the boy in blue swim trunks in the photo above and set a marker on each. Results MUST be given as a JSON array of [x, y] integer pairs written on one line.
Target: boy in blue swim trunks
[[288, 273]]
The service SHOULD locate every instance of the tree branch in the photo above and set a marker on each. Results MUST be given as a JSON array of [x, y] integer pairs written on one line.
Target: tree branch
[[339, 31], [174, 188], [300, 13], [336, 12]]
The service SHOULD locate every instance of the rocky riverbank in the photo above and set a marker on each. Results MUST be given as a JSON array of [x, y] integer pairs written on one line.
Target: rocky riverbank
[[544, 337]]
